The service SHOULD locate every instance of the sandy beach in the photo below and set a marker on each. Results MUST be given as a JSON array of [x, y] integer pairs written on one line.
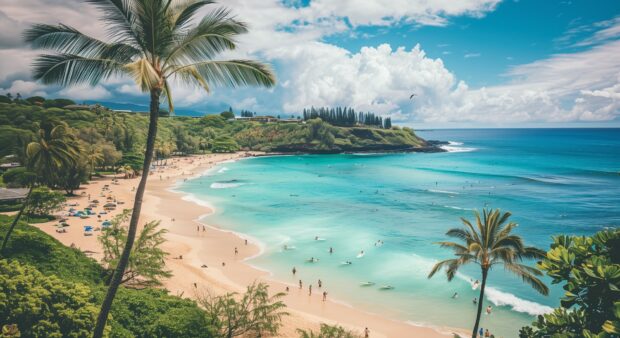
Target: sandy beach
[[200, 244]]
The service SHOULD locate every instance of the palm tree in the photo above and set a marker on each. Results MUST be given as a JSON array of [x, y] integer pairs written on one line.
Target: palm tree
[[94, 156], [487, 244], [53, 151], [155, 42]]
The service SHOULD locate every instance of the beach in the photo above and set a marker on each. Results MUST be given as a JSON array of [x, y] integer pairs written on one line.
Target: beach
[[192, 244]]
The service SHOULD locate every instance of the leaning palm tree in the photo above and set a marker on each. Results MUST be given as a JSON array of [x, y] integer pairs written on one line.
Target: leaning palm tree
[[155, 42], [53, 151], [489, 243]]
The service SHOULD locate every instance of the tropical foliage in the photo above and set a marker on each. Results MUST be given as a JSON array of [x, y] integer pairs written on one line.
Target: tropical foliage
[[489, 243], [146, 266], [328, 331], [588, 268], [44, 306], [44, 201], [255, 314]]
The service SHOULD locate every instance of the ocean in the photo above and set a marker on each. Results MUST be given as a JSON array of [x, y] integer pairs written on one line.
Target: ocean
[[553, 181]]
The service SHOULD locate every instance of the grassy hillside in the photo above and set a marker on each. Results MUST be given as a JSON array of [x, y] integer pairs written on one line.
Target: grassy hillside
[[127, 133]]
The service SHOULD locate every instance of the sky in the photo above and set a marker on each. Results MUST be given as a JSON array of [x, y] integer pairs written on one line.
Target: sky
[[471, 63]]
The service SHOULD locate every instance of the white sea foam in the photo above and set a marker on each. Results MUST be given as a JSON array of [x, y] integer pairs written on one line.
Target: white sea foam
[[443, 192], [224, 185], [454, 143], [500, 298], [457, 208], [452, 149], [223, 170]]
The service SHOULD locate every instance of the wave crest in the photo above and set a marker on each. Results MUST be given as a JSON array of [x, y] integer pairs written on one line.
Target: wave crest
[[500, 298]]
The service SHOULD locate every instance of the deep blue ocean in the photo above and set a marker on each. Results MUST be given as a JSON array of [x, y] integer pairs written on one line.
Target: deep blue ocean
[[553, 181]]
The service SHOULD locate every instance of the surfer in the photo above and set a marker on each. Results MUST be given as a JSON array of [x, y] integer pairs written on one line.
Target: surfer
[[475, 285], [455, 295]]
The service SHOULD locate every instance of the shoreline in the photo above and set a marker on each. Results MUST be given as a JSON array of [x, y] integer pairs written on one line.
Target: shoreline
[[200, 243]]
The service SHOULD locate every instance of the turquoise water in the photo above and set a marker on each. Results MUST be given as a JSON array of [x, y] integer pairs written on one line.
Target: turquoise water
[[553, 181]]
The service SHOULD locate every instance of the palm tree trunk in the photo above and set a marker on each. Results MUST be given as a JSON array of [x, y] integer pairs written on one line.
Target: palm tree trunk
[[480, 301], [14, 223], [135, 217]]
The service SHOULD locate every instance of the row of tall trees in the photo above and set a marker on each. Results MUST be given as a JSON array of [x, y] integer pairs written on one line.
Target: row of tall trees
[[346, 117]]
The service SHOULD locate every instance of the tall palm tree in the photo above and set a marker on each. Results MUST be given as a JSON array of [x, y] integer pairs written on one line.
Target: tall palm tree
[[153, 41], [489, 243], [94, 156], [53, 151]]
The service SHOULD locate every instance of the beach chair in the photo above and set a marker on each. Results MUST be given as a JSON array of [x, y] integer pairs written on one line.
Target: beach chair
[[88, 230]]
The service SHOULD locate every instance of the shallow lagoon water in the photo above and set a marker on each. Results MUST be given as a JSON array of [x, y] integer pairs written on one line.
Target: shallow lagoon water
[[553, 181]]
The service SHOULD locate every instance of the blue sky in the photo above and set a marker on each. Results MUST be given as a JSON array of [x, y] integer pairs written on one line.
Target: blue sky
[[472, 62]]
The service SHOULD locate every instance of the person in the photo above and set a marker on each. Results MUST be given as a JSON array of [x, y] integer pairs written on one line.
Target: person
[[487, 334], [180, 256], [489, 308], [223, 264], [475, 301], [324, 295], [481, 332], [310, 290], [455, 295], [204, 229], [320, 284], [198, 228], [316, 238], [236, 251], [300, 284], [246, 242], [287, 289], [366, 333], [294, 271], [195, 285], [331, 250]]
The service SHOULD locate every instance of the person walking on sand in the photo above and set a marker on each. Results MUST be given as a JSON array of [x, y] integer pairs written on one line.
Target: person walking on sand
[[481, 332], [300, 285], [246, 242], [310, 290], [204, 229], [366, 333], [236, 251], [324, 295]]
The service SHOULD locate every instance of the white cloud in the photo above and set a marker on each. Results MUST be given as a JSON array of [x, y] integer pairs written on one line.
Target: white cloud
[[84, 92], [471, 55]]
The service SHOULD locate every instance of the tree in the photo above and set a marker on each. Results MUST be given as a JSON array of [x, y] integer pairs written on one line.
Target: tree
[[36, 100], [146, 263], [58, 103], [255, 314], [588, 268], [44, 306], [44, 201], [487, 244], [328, 331], [227, 115], [224, 144], [154, 41], [47, 156], [94, 156]]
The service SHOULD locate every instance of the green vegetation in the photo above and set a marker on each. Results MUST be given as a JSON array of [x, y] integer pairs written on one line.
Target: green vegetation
[[255, 314], [589, 270], [146, 265], [328, 331], [343, 116], [487, 244], [43, 202], [39, 276], [44, 306]]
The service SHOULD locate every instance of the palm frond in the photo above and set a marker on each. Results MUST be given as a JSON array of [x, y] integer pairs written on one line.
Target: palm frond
[[214, 34], [528, 277], [234, 73], [143, 73], [184, 11], [69, 69], [439, 265], [191, 75], [168, 93], [121, 22]]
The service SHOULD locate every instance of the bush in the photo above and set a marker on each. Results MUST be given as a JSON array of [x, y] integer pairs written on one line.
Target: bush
[[44, 201], [18, 177], [154, 313], [328, 331], [589, 270], [44, 306], [32, 246]]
